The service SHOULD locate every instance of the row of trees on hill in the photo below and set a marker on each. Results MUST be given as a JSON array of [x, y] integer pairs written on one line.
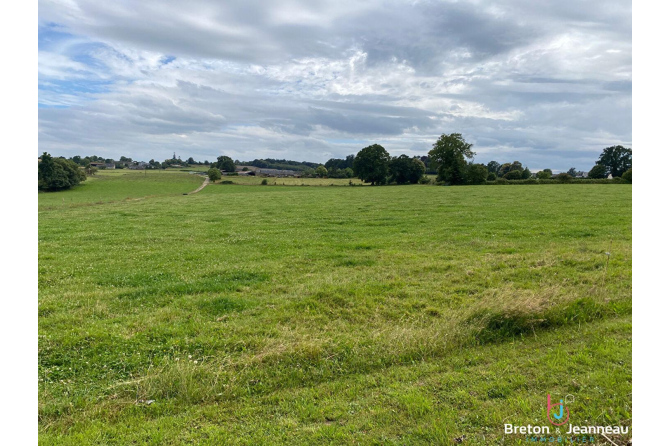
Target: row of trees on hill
[[451, 158]]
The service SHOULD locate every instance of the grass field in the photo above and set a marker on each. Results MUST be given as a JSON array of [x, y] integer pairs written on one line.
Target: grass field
[[329, 315]]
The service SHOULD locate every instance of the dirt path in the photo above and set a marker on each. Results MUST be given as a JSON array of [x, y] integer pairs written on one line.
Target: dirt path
[[202, 186]]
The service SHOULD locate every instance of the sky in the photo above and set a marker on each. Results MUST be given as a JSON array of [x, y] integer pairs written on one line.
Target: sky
[[545, 83]]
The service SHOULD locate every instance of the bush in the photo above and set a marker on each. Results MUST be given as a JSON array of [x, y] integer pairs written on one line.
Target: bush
[[424, 180], [628, 176], [564, 178], [476, 173], [58, 173], [502, 181], [530, 181], [491, 177], [214, 174], [264, 182], [513, 175]]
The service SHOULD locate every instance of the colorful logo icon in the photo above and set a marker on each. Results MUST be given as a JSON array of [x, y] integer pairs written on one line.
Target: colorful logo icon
[[562, 412]]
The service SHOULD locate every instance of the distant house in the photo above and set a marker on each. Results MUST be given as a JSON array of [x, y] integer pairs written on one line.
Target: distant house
[[139, 165], [242, 169], [253, 170], [279, 173], [110, 166]]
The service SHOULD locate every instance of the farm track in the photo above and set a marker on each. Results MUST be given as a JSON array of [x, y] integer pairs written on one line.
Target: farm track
[[202, 186]]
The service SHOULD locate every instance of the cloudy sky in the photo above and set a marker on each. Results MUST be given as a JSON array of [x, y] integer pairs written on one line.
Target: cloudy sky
[[545, 83]]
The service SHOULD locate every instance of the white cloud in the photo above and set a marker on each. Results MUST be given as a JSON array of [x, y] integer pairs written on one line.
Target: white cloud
[[521, 78]]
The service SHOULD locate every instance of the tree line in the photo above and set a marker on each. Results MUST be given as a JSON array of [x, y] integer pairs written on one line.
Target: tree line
[[450, 158]]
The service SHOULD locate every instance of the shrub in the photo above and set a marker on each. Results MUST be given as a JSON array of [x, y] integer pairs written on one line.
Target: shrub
[[502, 181], [476, 173], [58, 173], [491, 177], [214, 174], [628, 176], [564, 178], [424, 180], [264, 182], [513, 175], [530, 181], [544, 174]]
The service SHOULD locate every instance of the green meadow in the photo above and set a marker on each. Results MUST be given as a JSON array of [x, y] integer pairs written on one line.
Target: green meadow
[[289, 314]]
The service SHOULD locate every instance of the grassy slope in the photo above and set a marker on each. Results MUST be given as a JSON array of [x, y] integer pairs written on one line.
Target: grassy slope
[[395, 315], [123, 184]]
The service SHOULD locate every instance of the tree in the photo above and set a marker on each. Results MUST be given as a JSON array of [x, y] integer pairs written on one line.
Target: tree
[[508, 167], [616, 159], [598, 171], [349, 172], [544, 174], [190, 160], [572, 172], [628, 175], [404, 169], [513, 175], [526, 174], [448, 156], [214, 174], [491, 177], [493, 167], [225, 163], [58, 173], [321, 172], [371, 164], [477, 173]]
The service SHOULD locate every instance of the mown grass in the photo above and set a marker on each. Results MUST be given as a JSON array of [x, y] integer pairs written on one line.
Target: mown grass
[[317, 315]]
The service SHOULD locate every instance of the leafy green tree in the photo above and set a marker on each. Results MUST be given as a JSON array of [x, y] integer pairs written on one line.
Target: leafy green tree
[[371, 164], [508, 167], [190, 160], [493, 167], [616, 159], [225, 163], [349, 172], [598, 171], [449, 156], [572, 172], [514, 175], [321, 172], [477, 173], [58, 173], [214, 174], [403, 169], [628, 175], [491, 177], [544, 174], [526, 174]]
